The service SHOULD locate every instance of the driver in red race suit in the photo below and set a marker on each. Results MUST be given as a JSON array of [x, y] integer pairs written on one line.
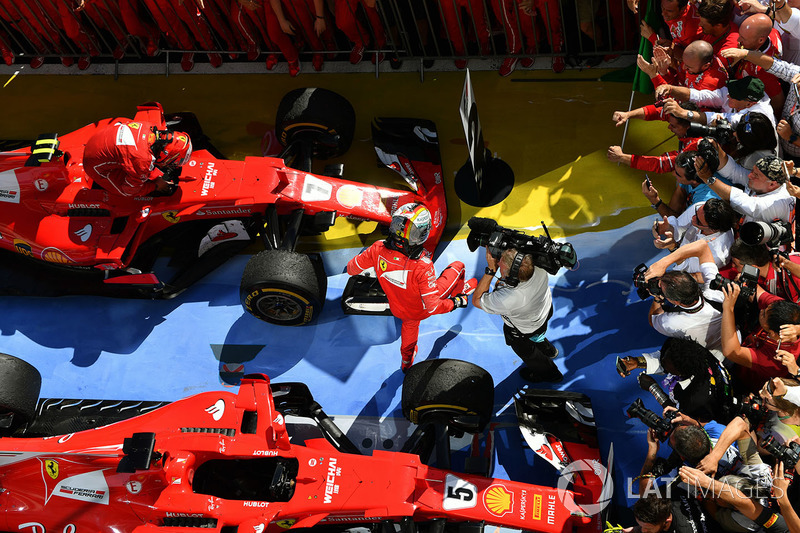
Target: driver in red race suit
[[136, 158], [406, 274]]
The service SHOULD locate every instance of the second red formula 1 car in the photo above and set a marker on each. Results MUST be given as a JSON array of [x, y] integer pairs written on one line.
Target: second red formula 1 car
[[229, 462], [67, 236]]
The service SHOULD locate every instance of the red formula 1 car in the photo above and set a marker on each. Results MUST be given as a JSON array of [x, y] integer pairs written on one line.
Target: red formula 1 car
[[229, 462], [65, 236]]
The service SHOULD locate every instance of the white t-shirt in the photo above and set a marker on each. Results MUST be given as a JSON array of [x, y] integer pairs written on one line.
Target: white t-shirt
[[702, 323], [767, 207], [525, 306], [686, 233]]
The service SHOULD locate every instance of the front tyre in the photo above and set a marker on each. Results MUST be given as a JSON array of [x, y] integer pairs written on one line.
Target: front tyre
[[283, 288], [448, 388]]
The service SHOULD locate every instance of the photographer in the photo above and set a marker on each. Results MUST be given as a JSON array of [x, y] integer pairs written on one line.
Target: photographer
[[711, 221], [525, 309], [655, 514], [735, 99], [690, 190], [692, 313], [730, 496], [764, 198], [778, 274]]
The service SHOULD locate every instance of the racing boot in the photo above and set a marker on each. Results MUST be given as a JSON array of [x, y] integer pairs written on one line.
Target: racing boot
[[84, 62], [118, 53], [408, 362], [527, 62], [8, 56], [253, 51], [357, 54], [317, 62], [67, 61], [215, 60], [461, 64], [151, 48], [294, 68], [272, 61], [559, 64], [37, 62], [187, 61], [469, 286], [378, 57], [508, 66]]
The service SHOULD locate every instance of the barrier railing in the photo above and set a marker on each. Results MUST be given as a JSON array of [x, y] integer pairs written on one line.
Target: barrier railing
[[570, 31]]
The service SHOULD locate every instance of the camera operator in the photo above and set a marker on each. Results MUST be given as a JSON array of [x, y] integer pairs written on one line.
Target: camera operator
[[525, 309], [759, 357], [711, 221], [764, 198], [735, 99]]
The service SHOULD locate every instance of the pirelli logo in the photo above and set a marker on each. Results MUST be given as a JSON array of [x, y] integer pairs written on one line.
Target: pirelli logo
[[537, 506], [771, 522]]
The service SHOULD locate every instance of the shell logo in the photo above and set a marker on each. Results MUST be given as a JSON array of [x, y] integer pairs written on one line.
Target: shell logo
[[498, 500], [54, 255]]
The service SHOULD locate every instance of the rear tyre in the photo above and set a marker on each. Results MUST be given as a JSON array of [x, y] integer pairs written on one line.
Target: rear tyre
[[284, 288], [320, 117], [448, 386], [20, 383]]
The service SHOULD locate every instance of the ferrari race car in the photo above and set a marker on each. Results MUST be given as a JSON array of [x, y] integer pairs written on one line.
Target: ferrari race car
[[230, 462], [60, 235]]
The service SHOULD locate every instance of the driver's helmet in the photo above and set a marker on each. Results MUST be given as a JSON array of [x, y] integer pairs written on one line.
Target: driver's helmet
[[172, 149], [410, 227]]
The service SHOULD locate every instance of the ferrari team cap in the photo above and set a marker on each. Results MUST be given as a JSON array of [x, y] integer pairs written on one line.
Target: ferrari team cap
[[750, 89]]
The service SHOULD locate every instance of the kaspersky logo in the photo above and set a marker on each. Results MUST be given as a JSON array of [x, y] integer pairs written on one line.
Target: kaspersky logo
[[498, 500]]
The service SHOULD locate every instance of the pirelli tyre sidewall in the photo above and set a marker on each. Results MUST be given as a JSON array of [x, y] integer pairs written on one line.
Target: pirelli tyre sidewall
[[283, 288], [312, 109], [450, 385], [20, 383]]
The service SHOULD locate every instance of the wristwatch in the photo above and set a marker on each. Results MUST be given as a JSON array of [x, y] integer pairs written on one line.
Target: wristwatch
[[689, 115], [489, 272], [711, 180], [657, 204]]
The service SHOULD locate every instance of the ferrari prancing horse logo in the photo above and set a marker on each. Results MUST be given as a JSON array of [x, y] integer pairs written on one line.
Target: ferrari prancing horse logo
[[382, 264], [51, 467]]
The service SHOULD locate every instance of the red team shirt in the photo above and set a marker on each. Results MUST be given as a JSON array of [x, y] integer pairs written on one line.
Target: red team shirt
[[409, 284], [773, 47]]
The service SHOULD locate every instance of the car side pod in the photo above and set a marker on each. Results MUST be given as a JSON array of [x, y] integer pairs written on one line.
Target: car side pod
[[559, 427]]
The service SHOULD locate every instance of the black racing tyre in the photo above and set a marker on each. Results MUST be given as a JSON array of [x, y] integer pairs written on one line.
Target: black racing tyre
[[320, 116], [284, 288], [20, 383], [450, 385]]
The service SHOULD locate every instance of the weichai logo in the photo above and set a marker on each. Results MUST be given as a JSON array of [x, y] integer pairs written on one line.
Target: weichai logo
[[498, 500]]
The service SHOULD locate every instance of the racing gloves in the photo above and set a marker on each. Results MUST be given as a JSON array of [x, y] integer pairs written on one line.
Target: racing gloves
[[459, 300]]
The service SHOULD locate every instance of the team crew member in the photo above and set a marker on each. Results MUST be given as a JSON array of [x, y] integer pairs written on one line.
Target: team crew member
[[406, 275], [130, 158], [526, 309]]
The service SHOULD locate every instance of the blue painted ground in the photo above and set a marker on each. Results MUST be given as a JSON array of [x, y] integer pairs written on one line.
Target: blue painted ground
[[93, 347]]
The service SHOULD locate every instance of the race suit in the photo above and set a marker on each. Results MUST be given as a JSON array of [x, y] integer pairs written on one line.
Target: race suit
[[120, 160], [411, 286]]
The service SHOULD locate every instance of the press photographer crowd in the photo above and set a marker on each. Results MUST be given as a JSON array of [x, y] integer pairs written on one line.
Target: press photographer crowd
[[726, 296]]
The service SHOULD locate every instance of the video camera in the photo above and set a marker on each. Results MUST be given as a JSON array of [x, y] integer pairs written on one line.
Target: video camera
[[748, 281], [645, 288], [722, 132], [661, 426], [545, 253], [789, 453], [772, 234]]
